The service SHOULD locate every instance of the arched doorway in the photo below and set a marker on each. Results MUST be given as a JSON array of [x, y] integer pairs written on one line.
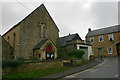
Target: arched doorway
[[49, 52]]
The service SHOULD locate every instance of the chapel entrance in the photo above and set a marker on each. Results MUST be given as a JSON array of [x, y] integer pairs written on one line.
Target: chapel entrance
[[49, 52]]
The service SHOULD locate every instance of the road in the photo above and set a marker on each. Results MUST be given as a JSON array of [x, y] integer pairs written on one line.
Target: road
[[108, 69]]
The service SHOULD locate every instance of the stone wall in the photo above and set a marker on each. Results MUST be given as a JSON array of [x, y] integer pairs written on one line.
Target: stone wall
[[105, 44], [12, 37], [27, 67], [29, 31], [6, 49]]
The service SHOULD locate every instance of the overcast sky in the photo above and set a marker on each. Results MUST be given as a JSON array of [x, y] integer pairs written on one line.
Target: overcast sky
[[70, 17]]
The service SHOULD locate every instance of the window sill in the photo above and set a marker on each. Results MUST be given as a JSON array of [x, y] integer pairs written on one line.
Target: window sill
[[110, 54], [100, 41]]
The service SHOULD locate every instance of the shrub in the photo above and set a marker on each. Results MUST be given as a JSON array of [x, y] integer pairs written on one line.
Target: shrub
[[83, 61], [76, 54], [58, 49], [13, 63]]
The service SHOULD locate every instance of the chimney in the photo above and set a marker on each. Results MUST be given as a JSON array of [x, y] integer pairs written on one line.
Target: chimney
[[89, 29]]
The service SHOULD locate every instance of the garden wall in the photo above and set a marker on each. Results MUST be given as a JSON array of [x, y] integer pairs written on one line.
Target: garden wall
[[25, 67]]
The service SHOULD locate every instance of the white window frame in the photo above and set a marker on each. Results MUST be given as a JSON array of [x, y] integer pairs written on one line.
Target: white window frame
[[109, 51], [99, 38], [109, 36], [93, 39]]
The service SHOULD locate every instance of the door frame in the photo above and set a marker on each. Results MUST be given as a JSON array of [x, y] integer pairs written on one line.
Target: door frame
[[100, 53], [118, 49]]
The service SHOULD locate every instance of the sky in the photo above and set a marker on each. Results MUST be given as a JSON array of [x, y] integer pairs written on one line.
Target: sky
[[69, 16]]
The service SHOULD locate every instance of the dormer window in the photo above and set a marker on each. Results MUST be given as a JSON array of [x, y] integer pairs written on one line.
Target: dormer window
[[110, 37]]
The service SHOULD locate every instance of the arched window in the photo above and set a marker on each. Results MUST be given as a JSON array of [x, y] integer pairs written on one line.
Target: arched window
[[8, 38], [44, 31], [41, 29]]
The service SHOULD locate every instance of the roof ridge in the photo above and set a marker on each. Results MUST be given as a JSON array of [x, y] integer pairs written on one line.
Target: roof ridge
[[106, 27], [105, 30], [68, 35]]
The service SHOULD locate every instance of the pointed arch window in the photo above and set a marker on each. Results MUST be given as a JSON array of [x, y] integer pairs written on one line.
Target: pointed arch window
[[8, 38], [41, 32], [44, 31]]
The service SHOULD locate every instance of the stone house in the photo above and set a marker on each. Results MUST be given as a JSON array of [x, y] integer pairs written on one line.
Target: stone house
[[105, 41], [73, 42], [34, 37], [6, 49]]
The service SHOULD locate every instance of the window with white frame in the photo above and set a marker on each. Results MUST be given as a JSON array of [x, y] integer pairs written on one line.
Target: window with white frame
[[110, 37], [92, 39], [109, 50], [100, 38]]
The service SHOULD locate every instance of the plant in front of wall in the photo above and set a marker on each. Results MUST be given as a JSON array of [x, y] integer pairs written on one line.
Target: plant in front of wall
[[59, 55], [76, 54], [12, 63]]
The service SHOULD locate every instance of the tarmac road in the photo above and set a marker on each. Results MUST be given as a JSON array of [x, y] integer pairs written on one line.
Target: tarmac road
[[108, 69]]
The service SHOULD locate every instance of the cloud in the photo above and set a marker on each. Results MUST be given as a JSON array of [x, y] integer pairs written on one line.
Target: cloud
[[70, 17]]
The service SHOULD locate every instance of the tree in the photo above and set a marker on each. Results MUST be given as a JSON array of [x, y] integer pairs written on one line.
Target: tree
[[59, 55]]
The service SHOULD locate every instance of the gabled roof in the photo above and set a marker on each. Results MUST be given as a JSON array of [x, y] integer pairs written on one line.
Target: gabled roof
[[70, 37], [107, 30], [42, 5], [40, 44]]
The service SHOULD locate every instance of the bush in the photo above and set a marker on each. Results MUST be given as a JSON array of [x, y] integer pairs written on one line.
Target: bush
[[76, 54], [13, 63], [58, 49], [83, 61]]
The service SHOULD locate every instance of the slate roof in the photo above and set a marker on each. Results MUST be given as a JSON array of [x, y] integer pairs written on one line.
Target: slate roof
[[107, 30], [40, 44], [70, 37]]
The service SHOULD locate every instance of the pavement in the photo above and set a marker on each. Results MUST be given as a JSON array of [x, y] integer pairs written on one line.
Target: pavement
[[90, 64]]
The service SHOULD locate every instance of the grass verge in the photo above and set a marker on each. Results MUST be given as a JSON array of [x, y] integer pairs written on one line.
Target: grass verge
[[35, 74]]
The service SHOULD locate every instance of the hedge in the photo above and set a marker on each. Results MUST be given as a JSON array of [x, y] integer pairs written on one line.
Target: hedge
[[76, 54]]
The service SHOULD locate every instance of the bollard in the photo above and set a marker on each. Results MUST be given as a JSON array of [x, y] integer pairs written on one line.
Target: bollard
[[101, 57]]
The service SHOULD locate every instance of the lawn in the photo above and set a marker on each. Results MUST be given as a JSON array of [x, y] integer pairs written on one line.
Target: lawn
[[35, 74]]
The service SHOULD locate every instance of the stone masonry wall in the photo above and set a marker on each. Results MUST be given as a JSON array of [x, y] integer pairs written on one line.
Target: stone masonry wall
[[7, 50], [105, 44], [27, 67], [11, 41], [29, 31]]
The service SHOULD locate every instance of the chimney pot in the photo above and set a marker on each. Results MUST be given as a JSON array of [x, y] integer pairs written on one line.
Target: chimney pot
[[89, 29]]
